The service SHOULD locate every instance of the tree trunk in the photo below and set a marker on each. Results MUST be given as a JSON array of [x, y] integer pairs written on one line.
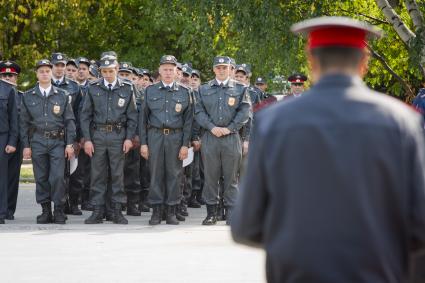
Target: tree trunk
[[414, 13], [400, 27]]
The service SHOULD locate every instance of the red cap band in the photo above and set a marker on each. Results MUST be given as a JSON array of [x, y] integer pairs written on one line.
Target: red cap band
[[337, 36], [8, 70]]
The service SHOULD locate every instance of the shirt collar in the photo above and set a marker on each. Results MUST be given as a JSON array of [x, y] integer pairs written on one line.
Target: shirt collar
[[47, 90], [106, 83], [222, 82], [169, 85], [59, 79]]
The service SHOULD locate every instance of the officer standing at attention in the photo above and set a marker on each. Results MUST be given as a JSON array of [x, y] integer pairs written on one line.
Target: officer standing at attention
[[338, 194], [8, 139], [222, 109], [59, 80], [165, 133], [9, 72], [108, 123], [47, 124]]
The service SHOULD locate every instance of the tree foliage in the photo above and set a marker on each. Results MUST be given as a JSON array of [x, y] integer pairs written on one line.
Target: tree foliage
[[255, 32]]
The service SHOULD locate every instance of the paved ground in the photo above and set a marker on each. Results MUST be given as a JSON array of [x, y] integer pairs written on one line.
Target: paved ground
[[113, 253]]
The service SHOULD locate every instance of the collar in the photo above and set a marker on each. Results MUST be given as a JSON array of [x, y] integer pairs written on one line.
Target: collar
[[47, 90], [61, 80], [169, 85], [222, 82], [84, 83], [106, 83]]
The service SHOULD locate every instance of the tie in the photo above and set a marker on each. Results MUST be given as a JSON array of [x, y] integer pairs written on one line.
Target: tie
[[168, 88], [58, 82], [44, 93], [110, 87], [221, 85]]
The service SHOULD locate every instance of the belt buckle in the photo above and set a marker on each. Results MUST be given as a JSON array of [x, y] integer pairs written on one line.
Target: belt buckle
[[166, 132], [109, 128]]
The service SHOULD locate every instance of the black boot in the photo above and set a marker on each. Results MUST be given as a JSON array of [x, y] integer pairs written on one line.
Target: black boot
[[182, 208], [97, 216], [171, 215], [211, 218], [58, 215], [179, 215], [118, 217], [46, 216], [143, 206], [228, 214], [156, 215], [2, 221], [132, 201], [193, 202], [85, 201], [74, 206]]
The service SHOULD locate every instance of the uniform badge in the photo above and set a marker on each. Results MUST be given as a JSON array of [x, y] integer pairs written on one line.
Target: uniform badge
[[178, 107], [121, 102], [232, 101], [7, 70], [56, 109]]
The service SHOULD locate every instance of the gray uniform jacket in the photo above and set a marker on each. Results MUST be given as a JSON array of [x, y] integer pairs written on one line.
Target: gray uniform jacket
[[51, 113], [8, 112], [167, 108], [102, 107], [335, 186], [227, 106]]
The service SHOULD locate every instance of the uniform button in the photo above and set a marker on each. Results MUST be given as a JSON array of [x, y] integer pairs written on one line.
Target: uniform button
[[45, 114], [166, 100], [166, 110]]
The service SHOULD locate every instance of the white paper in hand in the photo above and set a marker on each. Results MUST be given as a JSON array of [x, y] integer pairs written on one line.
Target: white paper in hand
[[189, 158], [73, 163]]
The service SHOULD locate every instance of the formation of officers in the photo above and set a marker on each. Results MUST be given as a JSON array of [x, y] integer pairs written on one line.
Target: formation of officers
[[112, 137]]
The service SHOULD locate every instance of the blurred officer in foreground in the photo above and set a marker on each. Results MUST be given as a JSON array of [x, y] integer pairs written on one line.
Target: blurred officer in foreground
[[9, 72], [48, 132], [9, 133], [335, 185], [108, 123]]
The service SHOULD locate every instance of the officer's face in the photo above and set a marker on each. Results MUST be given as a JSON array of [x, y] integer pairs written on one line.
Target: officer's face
[[263, 87], [168, 73], [222, 72], [44, 74], [144, 81], [297, 88], [134, 78], [12, 78], [179, 74], [58, 70], [109, 74], [124, 75], [241, 77], [185, 79], [71, 72], [83, 72], [195, 82]]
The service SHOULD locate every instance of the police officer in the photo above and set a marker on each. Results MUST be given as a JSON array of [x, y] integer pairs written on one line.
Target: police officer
[[71, 70], [8, 138], [47, 131], [108, 123], [297, 84], [59, 80], [165, 132], [9, 72], [337, 195], [222, 109], [266, 98], [80, 179], [132, 159]]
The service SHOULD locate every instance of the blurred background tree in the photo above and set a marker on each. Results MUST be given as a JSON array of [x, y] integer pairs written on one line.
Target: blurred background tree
[[253, 31]]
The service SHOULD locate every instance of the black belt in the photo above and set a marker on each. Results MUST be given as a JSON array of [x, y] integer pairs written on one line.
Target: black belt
[[109, 127], [167, 131], [55, 134]]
